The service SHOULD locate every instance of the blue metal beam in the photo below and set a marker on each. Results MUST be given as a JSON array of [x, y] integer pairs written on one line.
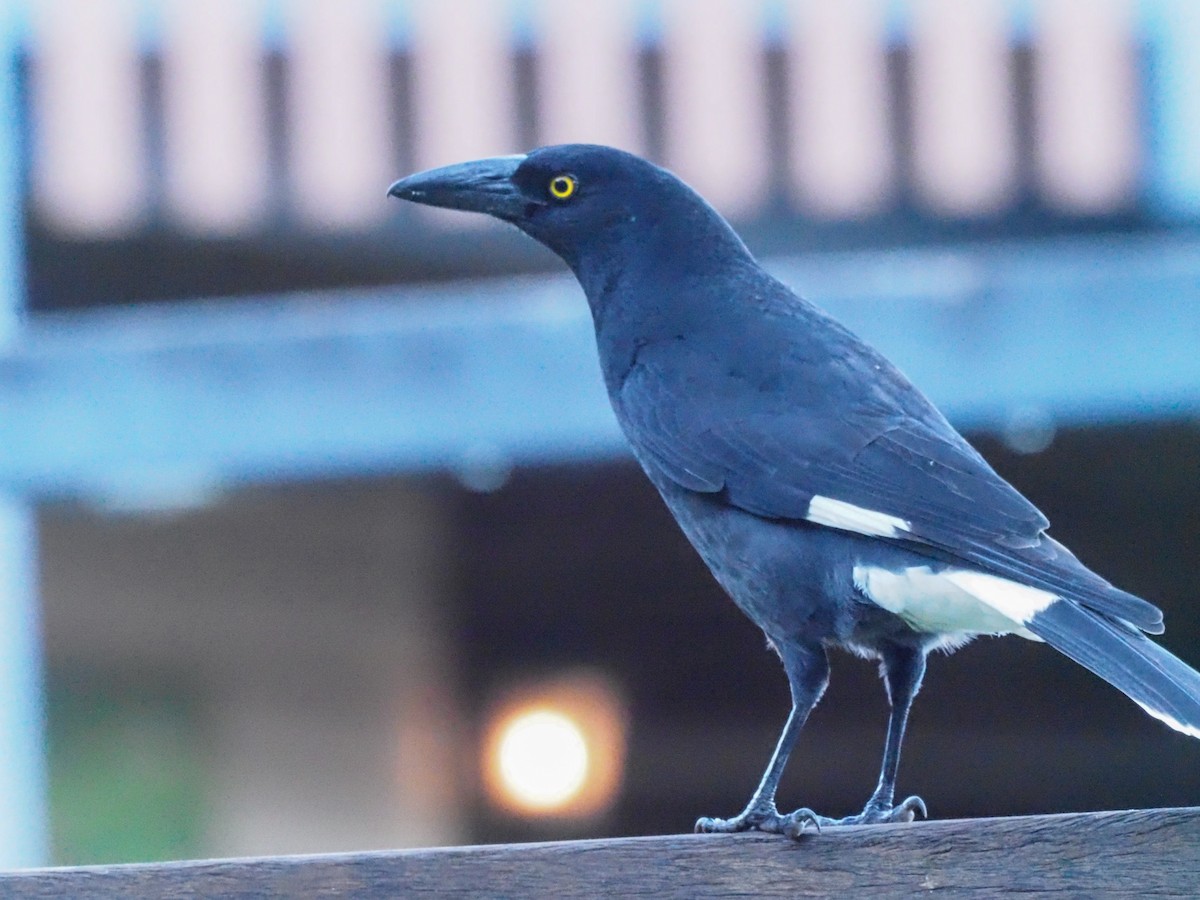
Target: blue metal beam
[[24, 829], [24, 838], [164, 404], [1173, 123]]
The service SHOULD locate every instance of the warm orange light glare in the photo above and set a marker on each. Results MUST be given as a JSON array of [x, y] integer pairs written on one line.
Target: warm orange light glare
[[543, 758], [556, 748]]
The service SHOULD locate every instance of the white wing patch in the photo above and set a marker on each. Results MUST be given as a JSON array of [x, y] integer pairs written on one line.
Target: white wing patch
[[848, 517], [1019, 602], [1170, 720], [953, 601]]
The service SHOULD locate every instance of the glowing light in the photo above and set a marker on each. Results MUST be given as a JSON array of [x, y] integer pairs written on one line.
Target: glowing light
[[556, 748], [543, 758]]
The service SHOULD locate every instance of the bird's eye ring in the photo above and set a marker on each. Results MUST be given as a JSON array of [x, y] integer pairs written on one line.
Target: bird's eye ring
[[562, 187]]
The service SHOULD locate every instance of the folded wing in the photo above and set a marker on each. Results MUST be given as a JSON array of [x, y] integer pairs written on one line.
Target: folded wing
[[879, 460]]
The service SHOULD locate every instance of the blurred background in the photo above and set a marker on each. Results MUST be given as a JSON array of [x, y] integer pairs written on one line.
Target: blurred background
[[316, 531]]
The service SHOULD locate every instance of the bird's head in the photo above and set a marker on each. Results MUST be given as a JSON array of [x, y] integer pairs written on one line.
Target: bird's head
[[590, 204]]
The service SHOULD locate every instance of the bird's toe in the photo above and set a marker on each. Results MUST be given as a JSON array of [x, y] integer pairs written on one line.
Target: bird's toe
[[758, 818], [879, 814], [908, 810], [796, 822], [711, 825], [746, 821]]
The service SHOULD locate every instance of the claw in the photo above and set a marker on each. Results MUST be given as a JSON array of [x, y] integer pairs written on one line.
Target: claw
[[709, 825], [908, 810], [798, 820]]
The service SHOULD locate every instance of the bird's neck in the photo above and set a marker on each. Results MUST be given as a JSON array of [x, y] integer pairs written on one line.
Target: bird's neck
[[663, 284]]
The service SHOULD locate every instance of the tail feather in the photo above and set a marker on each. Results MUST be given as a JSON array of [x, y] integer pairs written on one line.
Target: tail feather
[[1158, 682]]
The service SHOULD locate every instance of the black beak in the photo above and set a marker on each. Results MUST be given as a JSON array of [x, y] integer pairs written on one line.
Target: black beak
[[484, 185]]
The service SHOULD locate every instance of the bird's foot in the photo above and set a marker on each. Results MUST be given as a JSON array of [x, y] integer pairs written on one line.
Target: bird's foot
[[877, 813], [761, 818], [767, 818]]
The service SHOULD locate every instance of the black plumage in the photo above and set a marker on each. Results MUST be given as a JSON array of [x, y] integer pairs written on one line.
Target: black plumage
[[827, 495]]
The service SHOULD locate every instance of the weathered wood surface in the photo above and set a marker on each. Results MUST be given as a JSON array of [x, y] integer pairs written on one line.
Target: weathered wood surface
[[1141, 852]]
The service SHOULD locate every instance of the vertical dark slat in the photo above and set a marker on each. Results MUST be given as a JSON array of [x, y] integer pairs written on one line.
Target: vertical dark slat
[[525, 90], [275, 86], [400, 110], [1027, 197], [653, 109], [775, 87], [899, 65], [150, 88]]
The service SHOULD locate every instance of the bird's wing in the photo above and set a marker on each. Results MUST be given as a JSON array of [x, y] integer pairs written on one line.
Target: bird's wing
[[865, 454]]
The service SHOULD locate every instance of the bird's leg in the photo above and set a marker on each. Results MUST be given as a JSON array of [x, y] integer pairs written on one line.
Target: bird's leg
[[760, 813], [903, 669], [808, 672]]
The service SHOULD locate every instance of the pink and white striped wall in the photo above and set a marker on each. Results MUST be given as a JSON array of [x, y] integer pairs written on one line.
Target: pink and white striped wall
[[374, 88]]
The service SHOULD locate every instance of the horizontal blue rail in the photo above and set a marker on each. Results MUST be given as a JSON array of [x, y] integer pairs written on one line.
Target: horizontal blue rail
[[166, 404]]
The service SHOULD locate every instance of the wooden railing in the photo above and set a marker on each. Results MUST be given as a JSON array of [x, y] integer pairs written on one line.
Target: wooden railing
[[1141, 852]]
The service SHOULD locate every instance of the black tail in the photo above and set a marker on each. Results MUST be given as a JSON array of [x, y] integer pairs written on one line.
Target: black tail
[[1158, 682]]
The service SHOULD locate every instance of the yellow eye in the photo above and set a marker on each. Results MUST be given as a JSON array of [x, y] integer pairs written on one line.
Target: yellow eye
[[562, 186]]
